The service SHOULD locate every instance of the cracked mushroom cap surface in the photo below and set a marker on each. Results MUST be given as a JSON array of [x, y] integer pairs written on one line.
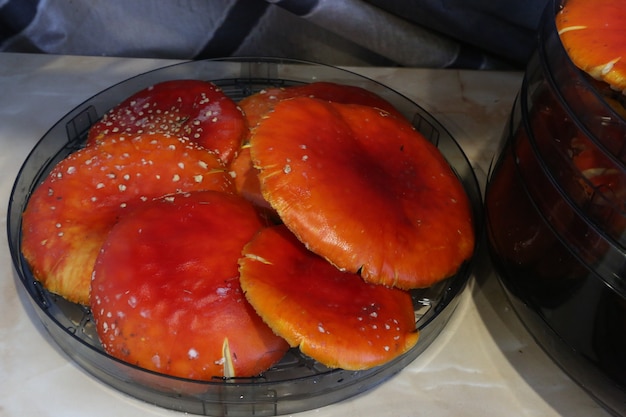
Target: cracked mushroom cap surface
[[166, 294], [592, 32], [364, 190], [334, 317], [69, 215]]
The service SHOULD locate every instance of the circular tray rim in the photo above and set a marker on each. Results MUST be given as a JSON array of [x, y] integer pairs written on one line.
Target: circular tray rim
[[238, 400]]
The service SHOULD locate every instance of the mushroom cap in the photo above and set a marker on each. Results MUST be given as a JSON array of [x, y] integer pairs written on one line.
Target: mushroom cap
[[195, 109], [334, 317], [593, 35], [256, 106], [166, 294], [364, 190], [70, 213], [246, 179]]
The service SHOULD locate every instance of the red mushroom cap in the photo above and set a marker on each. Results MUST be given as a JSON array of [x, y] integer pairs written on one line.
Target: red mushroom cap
[[364, 190], [70, 213], [334, 317], [246, 179], [166, 294], [593, 35], [195, 109], [257, 106]]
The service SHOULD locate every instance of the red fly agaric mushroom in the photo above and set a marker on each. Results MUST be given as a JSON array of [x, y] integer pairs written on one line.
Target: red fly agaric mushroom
[[592, 32], [70, 213], [195, 109], [334, 317], [166, 294], [256, 106], [364, 190]]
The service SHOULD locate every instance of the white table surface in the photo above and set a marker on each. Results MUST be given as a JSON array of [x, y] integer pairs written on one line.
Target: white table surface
[[484, 363]]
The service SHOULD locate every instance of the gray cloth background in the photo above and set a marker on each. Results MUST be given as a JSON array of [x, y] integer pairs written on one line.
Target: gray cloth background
[[419, 33]]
